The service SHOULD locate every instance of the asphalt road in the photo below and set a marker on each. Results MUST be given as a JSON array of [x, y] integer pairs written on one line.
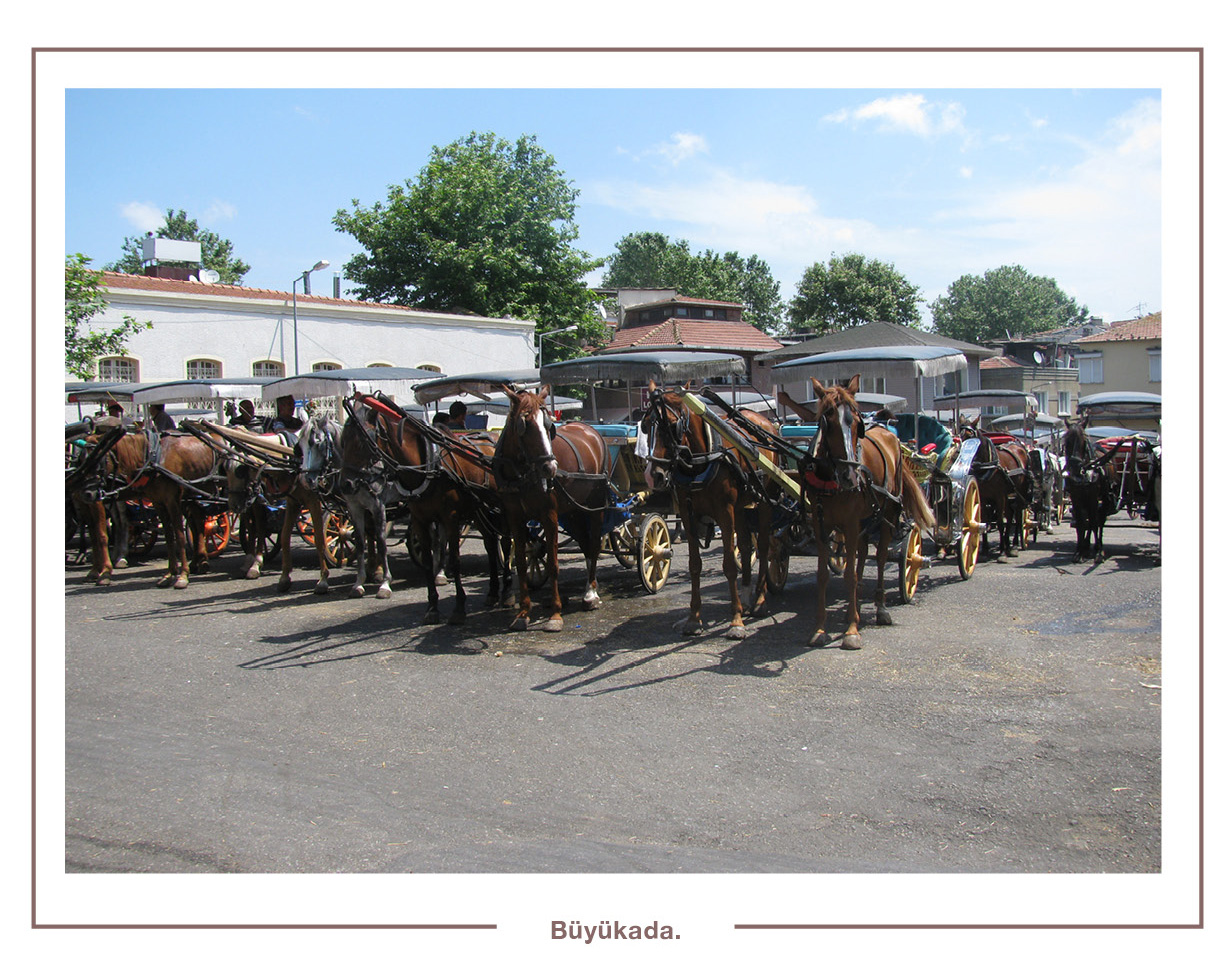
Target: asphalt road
[[1009, 723]]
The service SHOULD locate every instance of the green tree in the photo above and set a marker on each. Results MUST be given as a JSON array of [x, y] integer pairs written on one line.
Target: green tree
[[1003, 302], [487, 227], [649, 259], [852, 290], [216, 253], [84, 298]]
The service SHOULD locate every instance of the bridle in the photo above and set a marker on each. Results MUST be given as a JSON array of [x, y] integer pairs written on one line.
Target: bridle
[[516, 470], [825, 468]]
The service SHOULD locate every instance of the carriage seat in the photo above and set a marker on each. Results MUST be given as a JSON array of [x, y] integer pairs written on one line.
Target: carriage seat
[[925, 431]]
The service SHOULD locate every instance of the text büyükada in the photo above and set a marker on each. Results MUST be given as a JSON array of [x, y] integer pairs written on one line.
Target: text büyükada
[[610, 929]]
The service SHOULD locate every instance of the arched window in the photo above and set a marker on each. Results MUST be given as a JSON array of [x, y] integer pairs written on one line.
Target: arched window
[[268, 369], [429, 366], [119, 370], [379, 364], [203, 369], [325, 366]]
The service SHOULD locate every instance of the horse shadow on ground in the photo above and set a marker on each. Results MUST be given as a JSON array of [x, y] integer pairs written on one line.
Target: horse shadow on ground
[[620, 660]]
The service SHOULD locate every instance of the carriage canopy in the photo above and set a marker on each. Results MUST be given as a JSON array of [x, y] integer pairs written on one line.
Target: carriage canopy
[[396, 382], [664, 367], [191, 390], [914, 361], [1124, 405]]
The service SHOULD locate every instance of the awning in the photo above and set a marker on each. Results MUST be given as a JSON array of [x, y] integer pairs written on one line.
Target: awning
[[188, 390], [398, 383], [475, 386], [915, 361], [663, 367]]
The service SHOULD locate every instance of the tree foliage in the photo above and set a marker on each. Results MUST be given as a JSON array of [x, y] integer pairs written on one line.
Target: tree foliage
[[649, 259], [852, 290], [487, 227], [217, 254], [84, 298], [1003, 302]]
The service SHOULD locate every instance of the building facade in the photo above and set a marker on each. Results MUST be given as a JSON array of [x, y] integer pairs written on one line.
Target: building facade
[[210, 331], [1126, 357]]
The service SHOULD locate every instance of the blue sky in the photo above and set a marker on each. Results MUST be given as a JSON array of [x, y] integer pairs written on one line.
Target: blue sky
[[939, 182]]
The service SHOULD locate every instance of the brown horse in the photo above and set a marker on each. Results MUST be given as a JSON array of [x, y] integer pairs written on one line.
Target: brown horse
[[713, 484], [168, 470], [1006, 485], [446, 479], [90, 502], [855, 483], [555, 476]]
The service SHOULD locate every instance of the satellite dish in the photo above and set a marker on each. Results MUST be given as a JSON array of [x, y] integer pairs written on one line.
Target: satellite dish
[[1038, 355], [212, 277]]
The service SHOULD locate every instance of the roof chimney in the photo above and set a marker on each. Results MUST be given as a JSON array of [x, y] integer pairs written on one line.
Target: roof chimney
[[170, 259]]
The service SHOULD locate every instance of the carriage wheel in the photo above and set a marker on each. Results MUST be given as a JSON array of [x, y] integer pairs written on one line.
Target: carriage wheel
[[653, 552], [142, 528], [218, 533], [623, 541], [1030, 527], [910, 560], [972, 531], [536, 558], [339, 536]]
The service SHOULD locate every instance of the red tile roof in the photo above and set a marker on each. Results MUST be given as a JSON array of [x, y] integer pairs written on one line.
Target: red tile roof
[[693, 333], [1149, 328], [1001, 361], [164, 285]]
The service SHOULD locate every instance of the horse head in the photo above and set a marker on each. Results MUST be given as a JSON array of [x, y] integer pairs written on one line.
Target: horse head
[[835, 449], [524, 454], [318, 449]]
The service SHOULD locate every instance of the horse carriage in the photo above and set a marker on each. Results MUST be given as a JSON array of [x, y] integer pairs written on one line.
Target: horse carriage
[[933, 457], [1016, 474], [1136, 453]]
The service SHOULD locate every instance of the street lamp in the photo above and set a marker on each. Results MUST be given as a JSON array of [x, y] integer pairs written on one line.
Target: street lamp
[[538, 356], [307, 289]]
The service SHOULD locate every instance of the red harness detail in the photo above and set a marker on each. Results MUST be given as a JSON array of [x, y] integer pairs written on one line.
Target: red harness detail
[[825, 486]]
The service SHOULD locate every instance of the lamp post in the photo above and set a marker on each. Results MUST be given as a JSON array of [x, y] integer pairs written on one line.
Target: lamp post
[[538, 356], [320, 265]]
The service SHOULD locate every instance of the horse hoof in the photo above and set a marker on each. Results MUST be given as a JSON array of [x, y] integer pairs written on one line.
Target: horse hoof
[[284, 585], [818, 639], [431, 617], [883, 618], [165, 581], [384, 591], [253, 573], [690, 626], [322, 588], [122, 563], [852, 642], [520, 623], [104, 580], [357, 591], [180, 584], [590, 604], [553, 625], [736, 633]]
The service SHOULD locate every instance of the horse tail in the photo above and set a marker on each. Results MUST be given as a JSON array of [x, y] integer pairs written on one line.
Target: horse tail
[[915, 503]]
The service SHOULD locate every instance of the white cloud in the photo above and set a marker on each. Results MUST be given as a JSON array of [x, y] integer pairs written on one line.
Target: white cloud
[[911, 114], [682, 146], [218, 211], [145, 217]]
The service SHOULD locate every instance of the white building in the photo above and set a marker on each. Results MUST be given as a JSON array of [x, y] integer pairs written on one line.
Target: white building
[[208, 331]]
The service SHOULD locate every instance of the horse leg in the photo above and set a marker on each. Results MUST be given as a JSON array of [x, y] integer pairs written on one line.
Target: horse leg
[[177, 545], [492, 545], [253, 523], [851, 638], [505, 543], [692, 625], [730, 567], [551, 538], [594, 541], [453, 534], [194, 518], [882, 556], [95, 515], [358, 517], [380, 554], [421, 532], [764, 533], [119, 517], [520, 540], [289, 519], [821, 534]]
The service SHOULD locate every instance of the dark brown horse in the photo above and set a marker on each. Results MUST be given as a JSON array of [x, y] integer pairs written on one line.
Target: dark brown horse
[[714, 485], [554, 476], [1088, 480], [445, 479], [92, 501], [1006, 485], [855, 483], [168, 470]]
